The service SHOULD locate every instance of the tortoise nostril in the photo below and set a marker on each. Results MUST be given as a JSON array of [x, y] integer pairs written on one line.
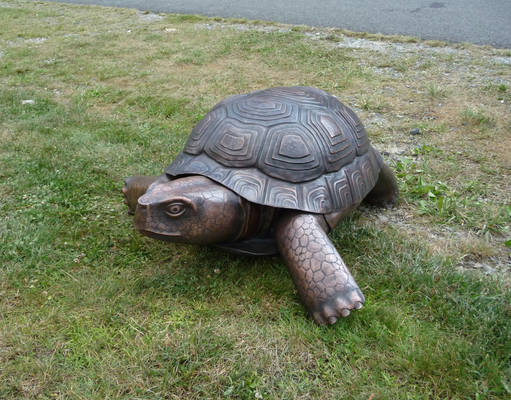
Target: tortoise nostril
[[144, 201]]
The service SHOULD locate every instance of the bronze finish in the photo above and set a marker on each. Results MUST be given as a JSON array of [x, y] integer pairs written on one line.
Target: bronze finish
[[324, 283], [191, 210], [271, 171], [138, 186]]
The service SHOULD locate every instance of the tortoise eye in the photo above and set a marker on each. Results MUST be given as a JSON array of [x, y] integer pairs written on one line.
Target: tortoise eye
[[175, 209]]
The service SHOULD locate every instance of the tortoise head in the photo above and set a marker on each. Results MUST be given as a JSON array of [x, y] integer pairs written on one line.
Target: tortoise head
[[191, 209]]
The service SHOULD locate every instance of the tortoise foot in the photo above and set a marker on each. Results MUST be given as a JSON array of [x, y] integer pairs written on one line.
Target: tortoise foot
[[341, 304], [324, 283], [385, 193]]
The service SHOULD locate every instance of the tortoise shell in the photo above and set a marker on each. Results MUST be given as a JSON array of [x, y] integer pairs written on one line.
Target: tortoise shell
[[287, 147]]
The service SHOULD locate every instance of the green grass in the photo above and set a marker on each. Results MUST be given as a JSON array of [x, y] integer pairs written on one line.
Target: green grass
[[91, 310], [466, 206], [477, 117], [436, 92]]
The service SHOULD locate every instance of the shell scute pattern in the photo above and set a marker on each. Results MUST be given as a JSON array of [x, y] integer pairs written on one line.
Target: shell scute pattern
[[310, 97], [265, 111], [361, 177], [290, 148], [297, 148], [246, 184], [357, 128], [341, 190], [234, 144], [287, 196], [202, 132], [333, 135], [318, 198]]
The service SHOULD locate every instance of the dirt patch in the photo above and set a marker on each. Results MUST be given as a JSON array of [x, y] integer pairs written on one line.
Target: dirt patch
[[144, 16], [470, 252], [243, 27]]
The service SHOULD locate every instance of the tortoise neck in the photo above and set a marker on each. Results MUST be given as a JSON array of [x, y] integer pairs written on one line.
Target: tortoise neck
[[256, 219]]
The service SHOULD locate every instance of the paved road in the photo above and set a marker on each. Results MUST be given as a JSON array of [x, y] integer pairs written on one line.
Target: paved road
[[476, 21]]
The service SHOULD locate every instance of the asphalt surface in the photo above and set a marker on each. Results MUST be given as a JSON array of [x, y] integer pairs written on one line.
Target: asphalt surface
[[475, 21]]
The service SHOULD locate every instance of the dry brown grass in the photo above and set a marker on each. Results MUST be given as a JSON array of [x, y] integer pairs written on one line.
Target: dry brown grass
[[91, 310]]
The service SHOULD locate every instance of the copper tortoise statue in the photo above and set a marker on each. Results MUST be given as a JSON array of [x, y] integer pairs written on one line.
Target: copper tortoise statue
[[269, 172]]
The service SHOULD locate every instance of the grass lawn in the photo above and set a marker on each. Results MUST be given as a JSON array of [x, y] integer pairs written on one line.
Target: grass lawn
[[89, 309]]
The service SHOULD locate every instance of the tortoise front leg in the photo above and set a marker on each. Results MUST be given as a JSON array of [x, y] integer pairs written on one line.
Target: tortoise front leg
[[324, 284], [134, 187]]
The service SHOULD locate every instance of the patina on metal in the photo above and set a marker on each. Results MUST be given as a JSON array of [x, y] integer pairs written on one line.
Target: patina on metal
[[270, 172]]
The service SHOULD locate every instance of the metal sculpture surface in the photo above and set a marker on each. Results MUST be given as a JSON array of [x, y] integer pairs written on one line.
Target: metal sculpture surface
[[269, 172]]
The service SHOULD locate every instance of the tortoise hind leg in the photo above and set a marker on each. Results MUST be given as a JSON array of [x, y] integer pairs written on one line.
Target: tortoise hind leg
[[386, 192], [324, 284]]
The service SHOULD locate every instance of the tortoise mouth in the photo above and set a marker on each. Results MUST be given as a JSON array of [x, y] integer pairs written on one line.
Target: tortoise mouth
[[167, 236]]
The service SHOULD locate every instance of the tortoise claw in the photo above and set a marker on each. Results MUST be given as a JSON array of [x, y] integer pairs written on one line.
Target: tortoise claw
[[318, 318], [340, 305]]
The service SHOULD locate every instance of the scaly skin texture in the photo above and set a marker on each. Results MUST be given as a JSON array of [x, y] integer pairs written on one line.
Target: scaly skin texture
[[324, 284], [191, 209]]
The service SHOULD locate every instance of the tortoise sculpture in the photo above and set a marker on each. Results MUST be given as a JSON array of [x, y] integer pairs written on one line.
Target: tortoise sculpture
[[269, 172]]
